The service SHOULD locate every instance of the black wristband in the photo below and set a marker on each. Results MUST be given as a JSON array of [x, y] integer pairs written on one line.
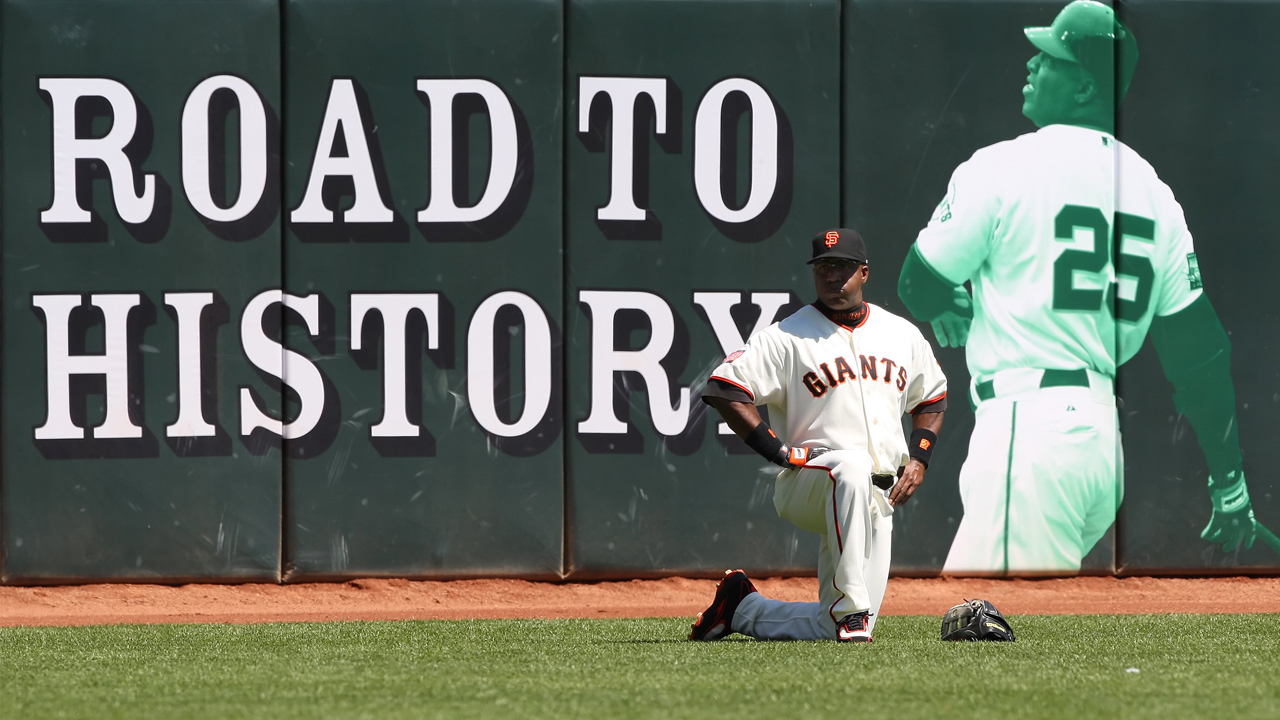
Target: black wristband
[[765, 442], [921, 445]]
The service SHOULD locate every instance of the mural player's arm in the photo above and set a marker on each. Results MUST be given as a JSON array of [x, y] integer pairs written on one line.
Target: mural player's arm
[[1196, 356], [932, 298], [959, 240]]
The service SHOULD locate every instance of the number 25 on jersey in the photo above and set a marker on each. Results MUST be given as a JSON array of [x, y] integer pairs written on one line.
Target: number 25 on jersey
[[1067, 297]]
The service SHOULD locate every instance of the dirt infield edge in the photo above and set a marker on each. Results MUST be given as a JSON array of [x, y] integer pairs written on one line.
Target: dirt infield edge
[[398, 599]]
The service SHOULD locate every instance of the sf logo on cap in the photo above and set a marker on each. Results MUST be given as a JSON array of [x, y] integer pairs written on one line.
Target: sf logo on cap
[[832, 238]]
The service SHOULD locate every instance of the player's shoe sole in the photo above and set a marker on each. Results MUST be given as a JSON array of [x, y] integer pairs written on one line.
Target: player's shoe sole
[[715, 622]]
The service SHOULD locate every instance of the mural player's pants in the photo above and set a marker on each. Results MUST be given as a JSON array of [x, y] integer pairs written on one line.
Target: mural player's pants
[[1043, 478], [833, 497]]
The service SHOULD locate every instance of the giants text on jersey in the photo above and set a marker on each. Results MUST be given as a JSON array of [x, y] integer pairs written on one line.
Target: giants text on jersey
[[821, 381]]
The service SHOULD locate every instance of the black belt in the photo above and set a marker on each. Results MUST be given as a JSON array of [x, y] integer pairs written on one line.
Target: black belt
[[1052, 378], [884, 482]]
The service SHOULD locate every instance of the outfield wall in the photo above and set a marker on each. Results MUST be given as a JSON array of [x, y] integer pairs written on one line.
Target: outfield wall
[[321, 289]]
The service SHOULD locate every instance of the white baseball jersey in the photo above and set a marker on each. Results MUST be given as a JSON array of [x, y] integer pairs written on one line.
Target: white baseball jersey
[[844, 388], [1033, 222]]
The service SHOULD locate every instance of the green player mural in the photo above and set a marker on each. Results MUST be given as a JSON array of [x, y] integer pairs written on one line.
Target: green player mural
[[1075, 252]]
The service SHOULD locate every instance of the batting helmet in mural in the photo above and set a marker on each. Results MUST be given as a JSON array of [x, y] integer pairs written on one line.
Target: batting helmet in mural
[[1088, 33]]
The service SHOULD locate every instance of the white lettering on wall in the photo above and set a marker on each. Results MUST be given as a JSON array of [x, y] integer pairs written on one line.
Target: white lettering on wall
[[113, 364], [64, 93], [622, 93], [764, 150], [189, 307], [293, 369], [394, 309], [537, 364], [504, 149], [343, 113], [606, 362], [195, 148]]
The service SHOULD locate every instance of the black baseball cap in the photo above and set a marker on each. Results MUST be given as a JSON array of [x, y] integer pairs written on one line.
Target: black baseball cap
[[839, 243]]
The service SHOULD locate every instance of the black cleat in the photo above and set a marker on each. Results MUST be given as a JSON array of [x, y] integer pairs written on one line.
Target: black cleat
[[715, 622]]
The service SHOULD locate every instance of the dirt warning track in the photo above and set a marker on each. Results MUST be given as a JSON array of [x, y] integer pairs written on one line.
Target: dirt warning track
[[398, 599]]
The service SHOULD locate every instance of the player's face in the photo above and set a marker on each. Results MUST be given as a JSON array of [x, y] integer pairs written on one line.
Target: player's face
[[1049, 95], [839, 283]]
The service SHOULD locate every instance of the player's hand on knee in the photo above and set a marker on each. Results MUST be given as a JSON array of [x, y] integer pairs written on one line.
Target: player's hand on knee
[[912, 476], [1232, 522]]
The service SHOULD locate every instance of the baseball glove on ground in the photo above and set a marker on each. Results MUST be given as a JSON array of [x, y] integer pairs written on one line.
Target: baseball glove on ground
[[975, 620]]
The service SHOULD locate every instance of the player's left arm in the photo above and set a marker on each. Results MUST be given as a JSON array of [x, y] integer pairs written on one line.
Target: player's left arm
[[1195, 352], [923, 426], [1196, 356], [926, 400]]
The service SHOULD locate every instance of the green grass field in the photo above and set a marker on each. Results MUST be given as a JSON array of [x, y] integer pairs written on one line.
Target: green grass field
[[1219, 666]]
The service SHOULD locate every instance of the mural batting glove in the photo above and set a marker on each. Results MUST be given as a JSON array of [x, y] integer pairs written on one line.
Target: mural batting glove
[[1232, 522]]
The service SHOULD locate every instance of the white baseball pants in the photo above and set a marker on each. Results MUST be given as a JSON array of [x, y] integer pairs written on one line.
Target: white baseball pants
[[833, 497], [1041, 484]]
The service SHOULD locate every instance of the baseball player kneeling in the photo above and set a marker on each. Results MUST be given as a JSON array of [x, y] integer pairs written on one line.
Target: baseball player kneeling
[[837, 377]]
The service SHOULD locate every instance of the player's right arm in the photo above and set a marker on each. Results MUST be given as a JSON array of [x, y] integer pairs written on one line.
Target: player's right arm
[[752, 376], [745, 421], [950, 249]]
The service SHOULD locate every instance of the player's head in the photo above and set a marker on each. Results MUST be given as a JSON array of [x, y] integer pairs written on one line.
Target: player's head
[[1086, 60], [839, 268]]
